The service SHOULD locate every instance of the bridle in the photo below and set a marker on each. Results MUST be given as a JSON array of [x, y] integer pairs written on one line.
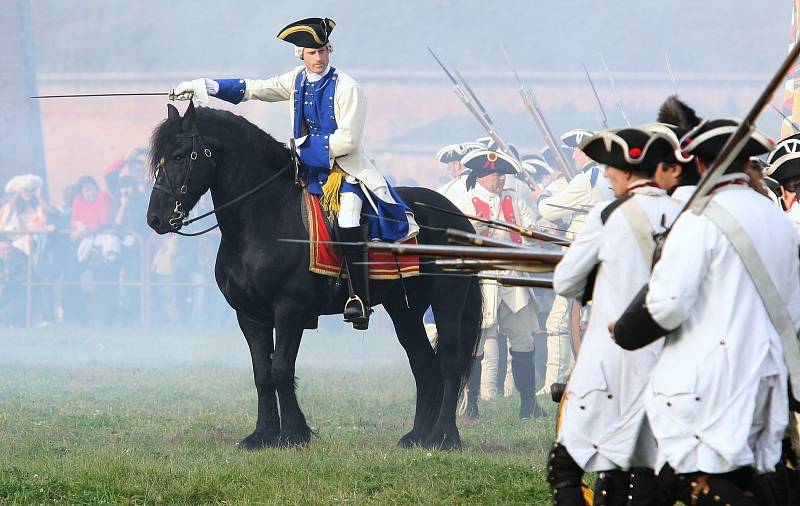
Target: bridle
[[176, 220]]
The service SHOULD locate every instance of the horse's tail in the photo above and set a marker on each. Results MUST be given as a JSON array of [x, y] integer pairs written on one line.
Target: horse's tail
[[472, 316]]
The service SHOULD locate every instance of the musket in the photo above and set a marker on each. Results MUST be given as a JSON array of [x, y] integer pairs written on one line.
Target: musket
[[617, 98], [578, 210], [737, 141], [473, 105], [528, 282], [477, 265], [455, 236], [526, 255], [532, 106], [84, 95], [671, 75], [787, 118], [526, 232], [603, 116]]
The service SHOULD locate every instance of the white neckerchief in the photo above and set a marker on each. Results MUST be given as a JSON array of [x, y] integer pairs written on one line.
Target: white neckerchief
[[312, 77], [485, 195]]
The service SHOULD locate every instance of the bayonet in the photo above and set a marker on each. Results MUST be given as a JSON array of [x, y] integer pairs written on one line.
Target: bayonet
[[474, 105], [617, 98], [601, 109], [671, 75], [794, 125]]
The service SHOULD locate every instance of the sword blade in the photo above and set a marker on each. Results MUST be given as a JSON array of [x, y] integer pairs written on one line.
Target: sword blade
[[85, 95]]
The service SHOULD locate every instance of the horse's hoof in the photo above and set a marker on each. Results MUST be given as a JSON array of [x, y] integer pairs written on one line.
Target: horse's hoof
[[256, 441], [410, 440], [288, 439], [443, 442]]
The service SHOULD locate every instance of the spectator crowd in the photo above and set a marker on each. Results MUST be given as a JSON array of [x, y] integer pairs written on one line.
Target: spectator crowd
[[94, 261]]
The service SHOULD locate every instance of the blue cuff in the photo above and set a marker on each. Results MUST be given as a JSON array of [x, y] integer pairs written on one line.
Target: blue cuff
[[231, 90], [315, 151]]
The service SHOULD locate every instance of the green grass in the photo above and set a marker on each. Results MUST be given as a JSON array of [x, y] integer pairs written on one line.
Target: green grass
[[130, 423]]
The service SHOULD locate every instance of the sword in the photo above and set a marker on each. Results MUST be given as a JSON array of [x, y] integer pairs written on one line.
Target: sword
[[617, 98], [84, 95], [603, 116]]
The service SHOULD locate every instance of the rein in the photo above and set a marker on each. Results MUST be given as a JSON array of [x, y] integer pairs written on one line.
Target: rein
[[178, 213]]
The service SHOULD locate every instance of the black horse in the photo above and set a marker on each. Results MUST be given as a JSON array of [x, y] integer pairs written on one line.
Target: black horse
[[269, 285]]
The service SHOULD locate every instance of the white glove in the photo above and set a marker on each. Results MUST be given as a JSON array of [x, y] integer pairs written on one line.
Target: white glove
[[184, 91]]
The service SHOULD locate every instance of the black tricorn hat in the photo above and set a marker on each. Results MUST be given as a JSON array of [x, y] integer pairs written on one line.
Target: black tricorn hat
[[784, 147], [785, 168], [673, 134], [455, 152], [629, 149], [707, 139], [575, 137], [483, 162], [310, 32]]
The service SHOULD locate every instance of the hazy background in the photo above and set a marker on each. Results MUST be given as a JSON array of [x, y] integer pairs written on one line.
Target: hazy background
[[722, 53]]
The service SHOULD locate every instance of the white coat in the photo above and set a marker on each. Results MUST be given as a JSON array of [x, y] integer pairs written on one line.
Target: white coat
[[717, 396], [515, 298], [603, 425]]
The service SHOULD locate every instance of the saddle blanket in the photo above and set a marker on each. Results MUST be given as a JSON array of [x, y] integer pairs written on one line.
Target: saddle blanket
[[325, 258]]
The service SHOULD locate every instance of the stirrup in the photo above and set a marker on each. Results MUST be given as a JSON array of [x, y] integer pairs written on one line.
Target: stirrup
[[360, 321]]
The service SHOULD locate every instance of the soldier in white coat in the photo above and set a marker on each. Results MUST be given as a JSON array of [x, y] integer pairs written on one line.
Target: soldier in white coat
[[586, 189], [328, 112], [784, 167], [510, 310], [451, 156], [603, 426], [726, 294]]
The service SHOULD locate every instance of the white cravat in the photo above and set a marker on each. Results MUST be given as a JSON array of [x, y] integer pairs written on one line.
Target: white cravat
[[312, 77]]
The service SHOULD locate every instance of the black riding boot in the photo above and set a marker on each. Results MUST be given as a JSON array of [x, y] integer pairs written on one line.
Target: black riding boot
[[357, 308], [525, 381], [473, 390]]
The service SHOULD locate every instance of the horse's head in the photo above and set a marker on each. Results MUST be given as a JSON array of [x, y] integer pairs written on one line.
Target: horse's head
[[182, 167]]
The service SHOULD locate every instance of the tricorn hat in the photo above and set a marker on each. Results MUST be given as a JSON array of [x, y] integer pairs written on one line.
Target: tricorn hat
[[786, 168], [483, 162], [707, 139], [455, 152], [536, 164], [629, 149], [673, 134], [310, 32], [575, 137], [784, 147]]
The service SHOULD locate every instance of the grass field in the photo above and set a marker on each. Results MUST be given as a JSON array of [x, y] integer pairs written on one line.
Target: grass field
[[128, 417]]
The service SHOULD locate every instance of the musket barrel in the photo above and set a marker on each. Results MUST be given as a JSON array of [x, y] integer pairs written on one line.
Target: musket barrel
[[476, 252], [456, 236]]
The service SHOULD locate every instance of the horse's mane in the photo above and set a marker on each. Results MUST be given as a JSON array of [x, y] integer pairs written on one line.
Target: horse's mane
[[211, 120]]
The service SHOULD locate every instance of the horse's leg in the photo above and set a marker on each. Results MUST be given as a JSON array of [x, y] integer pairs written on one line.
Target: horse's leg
[[451, 301], [424, 365], [268, 425], [288, 333]]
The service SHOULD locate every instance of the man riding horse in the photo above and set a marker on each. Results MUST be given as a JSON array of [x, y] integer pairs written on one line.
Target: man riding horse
[[328, 110]]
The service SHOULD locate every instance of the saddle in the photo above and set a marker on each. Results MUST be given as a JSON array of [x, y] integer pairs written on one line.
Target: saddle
[[325, 258]]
